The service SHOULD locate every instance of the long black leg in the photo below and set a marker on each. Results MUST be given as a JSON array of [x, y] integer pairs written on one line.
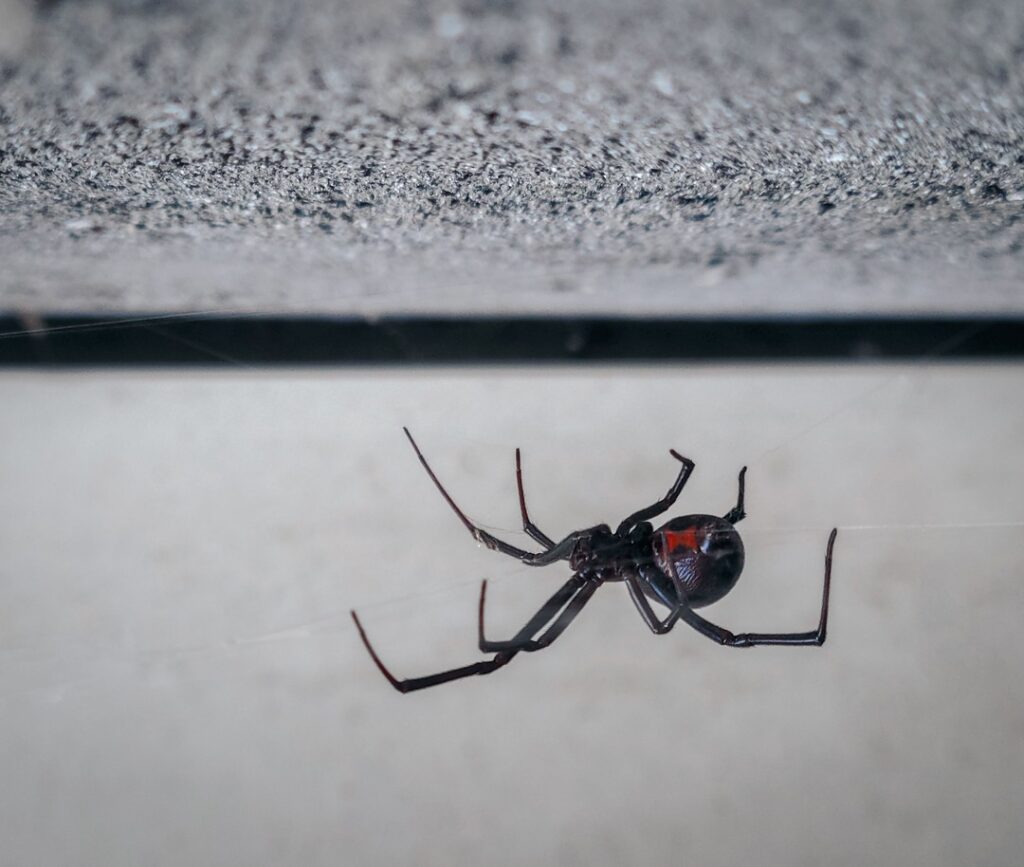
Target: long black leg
[[656, 624], [413, 683], [544, 615], [551, 607], [480, 535], [666, 501], [565, 618], [523, 640], [561, 551], [531, 529], [750, 639], [736, 513]]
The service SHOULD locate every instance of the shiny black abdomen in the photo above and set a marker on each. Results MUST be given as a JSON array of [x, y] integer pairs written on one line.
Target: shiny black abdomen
[[703, 551]]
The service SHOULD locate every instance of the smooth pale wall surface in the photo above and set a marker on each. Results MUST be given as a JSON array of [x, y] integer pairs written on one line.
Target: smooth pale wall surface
[[180, 682]]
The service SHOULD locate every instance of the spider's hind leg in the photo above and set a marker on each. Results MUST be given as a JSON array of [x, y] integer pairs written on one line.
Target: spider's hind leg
[[665, 502], [750, 639], [736, 513]]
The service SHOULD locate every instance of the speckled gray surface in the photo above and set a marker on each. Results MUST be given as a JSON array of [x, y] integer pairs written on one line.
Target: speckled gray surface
[[515, 156]]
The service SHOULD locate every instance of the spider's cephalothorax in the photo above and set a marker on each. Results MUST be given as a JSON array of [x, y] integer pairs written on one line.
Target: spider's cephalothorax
[[596, 549], [685, 564]]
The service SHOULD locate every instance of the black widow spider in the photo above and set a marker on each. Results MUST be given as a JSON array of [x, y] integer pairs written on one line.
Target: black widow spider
[[685, 564]]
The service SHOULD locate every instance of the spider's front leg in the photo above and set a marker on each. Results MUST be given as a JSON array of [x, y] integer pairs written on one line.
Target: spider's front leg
[[555, 552], [413, 683], [523, 640], [531, 529], [576, 592]]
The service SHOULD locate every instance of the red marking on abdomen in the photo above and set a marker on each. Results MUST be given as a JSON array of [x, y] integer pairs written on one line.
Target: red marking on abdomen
[[685, 539]]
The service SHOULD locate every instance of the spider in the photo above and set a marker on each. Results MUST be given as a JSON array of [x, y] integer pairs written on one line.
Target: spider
[[687, 563]]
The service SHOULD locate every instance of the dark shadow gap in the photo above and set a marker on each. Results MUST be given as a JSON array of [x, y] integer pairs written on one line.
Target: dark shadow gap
[[196, 340]]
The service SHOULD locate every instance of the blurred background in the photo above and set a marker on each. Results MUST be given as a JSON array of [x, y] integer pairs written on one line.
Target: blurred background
[[243, 244]]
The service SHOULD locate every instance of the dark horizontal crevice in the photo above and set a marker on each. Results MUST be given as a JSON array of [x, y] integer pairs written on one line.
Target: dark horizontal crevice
[[63, 341]]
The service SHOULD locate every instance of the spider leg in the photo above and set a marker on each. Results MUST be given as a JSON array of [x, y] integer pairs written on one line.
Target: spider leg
[[750, 639], [504, 656], [666, 501], [544, 614], [413, 683], [578, 594], [531, 529], [559, 552], [565, 618], [736, 513], [655, 623]]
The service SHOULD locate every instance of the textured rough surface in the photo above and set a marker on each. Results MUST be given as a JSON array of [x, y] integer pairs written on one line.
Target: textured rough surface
[[515, 155]]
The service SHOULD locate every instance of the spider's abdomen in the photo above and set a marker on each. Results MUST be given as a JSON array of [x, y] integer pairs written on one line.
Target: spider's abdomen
[[705, 553]]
